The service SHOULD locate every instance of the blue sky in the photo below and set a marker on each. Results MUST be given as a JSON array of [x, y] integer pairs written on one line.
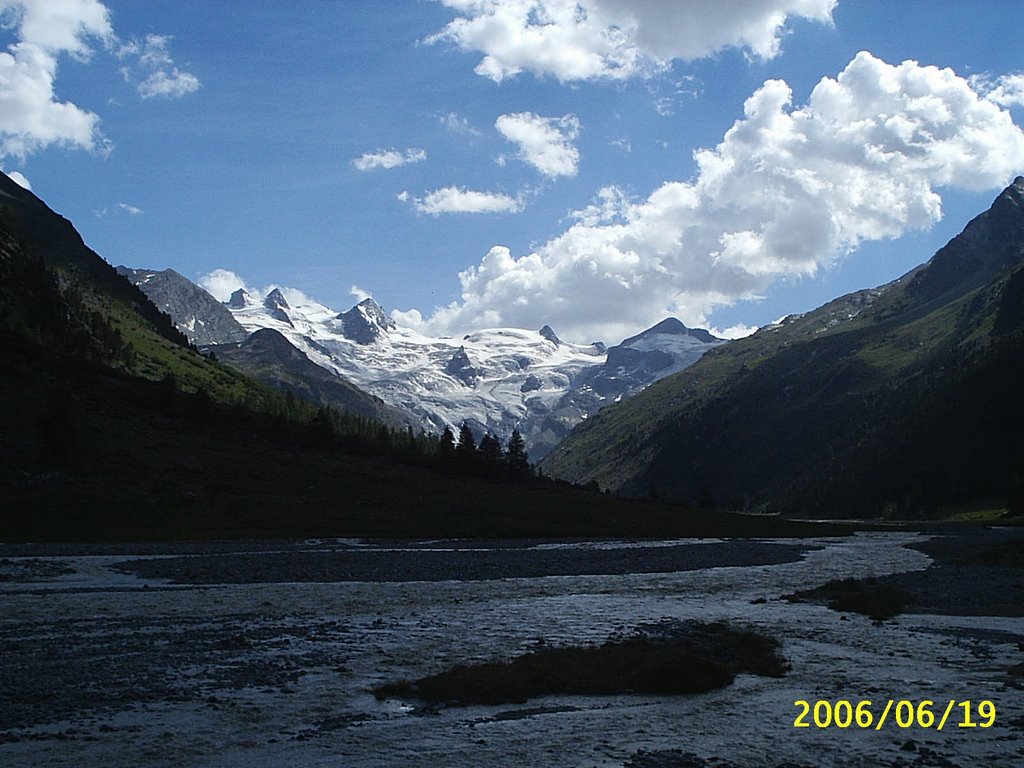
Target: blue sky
[[519, 162]]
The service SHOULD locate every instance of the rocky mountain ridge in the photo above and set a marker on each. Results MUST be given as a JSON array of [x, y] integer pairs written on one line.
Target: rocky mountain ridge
[[496, 380], [198, 315]]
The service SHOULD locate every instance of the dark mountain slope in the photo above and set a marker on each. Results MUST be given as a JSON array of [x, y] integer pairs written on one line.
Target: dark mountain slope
[[269, 357], [198, 315], [51, 237], [896, 399], [108, 320]]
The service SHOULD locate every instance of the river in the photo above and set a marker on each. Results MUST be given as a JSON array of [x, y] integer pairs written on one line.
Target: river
[[127, 656]]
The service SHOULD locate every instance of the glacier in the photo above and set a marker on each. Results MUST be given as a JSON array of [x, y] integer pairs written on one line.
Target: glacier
[[495, 379]]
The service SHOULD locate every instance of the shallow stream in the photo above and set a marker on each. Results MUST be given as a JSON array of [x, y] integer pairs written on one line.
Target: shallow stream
[[103, 667]]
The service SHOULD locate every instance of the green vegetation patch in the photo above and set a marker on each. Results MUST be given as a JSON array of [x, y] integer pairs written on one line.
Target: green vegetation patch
[[665, 659], [869, 597]]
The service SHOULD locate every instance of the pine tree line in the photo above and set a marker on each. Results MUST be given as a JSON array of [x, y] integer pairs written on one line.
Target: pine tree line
[[489, 458]]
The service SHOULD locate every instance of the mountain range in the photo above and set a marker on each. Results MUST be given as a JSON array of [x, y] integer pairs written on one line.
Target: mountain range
[[495, 380], [900, 400], [116, 427], [896, 400]]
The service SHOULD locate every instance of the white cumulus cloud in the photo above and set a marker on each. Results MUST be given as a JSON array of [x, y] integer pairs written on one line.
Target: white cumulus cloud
[[58, 26], [18, 178], [787, 191], [458, 200], [221, 283], [546, 143], [738, 331], [293, 296], [31, 116], [388, 158], [1006, 90], [410, 318], [616, 39]]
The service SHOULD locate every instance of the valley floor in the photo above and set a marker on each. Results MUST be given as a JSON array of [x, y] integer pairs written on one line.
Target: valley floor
[[264, 654]]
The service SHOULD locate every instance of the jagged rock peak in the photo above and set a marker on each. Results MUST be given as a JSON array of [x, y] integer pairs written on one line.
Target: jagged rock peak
[[275, 300], [550, 335], [461, 356], [375, 312], [365, 322], [239, 299], [1015, 192], [461, 367], [1010, 200], [196, 313], [276, 303]]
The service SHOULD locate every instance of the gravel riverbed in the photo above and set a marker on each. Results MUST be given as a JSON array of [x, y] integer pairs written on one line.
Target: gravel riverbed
[[265, 654]]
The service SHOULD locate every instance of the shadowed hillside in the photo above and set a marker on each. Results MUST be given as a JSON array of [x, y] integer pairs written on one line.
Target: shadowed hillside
[[898, 400]]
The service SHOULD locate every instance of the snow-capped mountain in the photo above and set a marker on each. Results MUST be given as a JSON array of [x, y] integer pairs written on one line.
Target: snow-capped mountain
[[660, 351], [496, 379]]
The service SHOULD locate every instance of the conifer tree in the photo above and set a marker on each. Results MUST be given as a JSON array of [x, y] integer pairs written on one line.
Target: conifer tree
[[466, 450], [490, 450], [446, 448], [321, 429], [516, 456]]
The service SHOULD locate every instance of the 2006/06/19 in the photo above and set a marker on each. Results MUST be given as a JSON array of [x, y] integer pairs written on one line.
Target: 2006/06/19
[[844, 714]]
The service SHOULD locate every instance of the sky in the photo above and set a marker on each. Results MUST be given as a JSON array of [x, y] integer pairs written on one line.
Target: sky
[[594, 165]]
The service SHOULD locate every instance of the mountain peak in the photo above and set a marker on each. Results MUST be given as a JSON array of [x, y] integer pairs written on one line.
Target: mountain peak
[[1015, 192], [375, 313], [365, 322], [462, 368], [196, 313], [240, 298], [550, 335], [276, 303], [275, 300], [671, 326], [991, 242]]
